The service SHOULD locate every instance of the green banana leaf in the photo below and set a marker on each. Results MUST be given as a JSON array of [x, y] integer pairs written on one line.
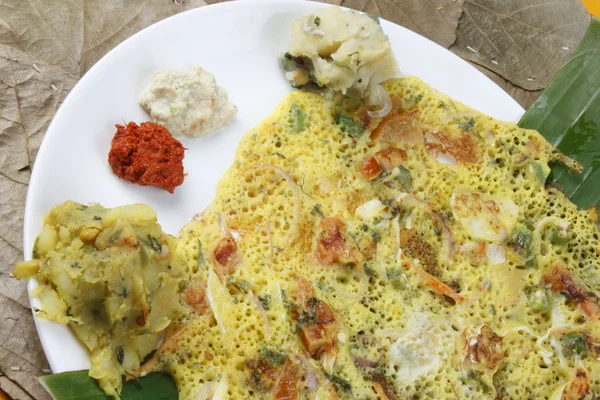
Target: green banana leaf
[[77, 385], [568, 115]]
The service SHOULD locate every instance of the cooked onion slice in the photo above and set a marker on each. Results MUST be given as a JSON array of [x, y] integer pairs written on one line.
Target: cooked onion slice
[[291, 236], [311, 379], [263, 315], [380, 96], [312, 374], [364, 362], [446, 158], [214, 390], [224, 229], [496, 254]]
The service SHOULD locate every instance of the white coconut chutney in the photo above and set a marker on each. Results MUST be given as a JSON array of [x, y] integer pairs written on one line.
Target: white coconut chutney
[[187, 103]]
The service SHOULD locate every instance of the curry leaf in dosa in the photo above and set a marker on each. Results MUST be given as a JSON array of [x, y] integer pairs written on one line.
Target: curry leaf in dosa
[[568, 115]]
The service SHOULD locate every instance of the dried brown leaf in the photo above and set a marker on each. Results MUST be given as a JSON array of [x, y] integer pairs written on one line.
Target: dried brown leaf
[[524, 41], [435, 19], [524, 97], [73, 35], [332, 2], [21, 355]]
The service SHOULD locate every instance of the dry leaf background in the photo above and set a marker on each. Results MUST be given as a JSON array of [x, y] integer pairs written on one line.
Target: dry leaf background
[[46, 46]]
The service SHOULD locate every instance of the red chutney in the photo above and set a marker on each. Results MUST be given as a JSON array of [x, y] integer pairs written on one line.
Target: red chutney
[[147, 155]]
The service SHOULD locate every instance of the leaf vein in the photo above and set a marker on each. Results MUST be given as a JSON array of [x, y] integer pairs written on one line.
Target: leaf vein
[[479, 29], [499, 15], [16, 383], [11, 245], [11, 179], [60, 43], [537, 6]]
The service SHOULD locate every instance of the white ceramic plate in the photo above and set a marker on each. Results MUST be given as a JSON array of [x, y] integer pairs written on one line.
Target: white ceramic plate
[[239, 43]]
